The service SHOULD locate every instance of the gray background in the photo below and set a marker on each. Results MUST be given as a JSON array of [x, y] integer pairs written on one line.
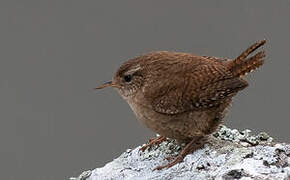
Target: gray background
[[52, 52]]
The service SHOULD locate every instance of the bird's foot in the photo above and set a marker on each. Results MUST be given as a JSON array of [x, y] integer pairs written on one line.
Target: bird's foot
[[153, 141], [189, 148], [176, 160]]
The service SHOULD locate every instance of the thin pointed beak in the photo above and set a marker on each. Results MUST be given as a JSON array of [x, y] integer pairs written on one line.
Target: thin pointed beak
[[106, 84]]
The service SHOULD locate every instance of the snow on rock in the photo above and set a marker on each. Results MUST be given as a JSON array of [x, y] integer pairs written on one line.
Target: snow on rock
[[227, 154]]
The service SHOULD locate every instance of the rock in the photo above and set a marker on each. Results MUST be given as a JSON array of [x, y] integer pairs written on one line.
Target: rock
[[228, 154]]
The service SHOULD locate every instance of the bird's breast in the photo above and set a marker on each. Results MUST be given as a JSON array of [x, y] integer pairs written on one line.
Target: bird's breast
[[179, 126]]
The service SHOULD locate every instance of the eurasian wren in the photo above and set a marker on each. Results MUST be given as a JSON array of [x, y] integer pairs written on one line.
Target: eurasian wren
[[180, 95]]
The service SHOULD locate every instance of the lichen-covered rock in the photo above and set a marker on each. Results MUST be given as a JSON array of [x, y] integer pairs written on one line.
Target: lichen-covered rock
[[228, 154]]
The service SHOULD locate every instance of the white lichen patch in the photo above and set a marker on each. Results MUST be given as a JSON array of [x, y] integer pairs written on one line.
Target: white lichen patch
[[228, 154]]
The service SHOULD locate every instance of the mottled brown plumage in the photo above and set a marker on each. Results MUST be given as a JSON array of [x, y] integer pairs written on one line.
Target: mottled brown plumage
[[180, 95]]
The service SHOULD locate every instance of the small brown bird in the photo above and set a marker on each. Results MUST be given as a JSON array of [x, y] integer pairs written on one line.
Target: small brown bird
[[180, 95]]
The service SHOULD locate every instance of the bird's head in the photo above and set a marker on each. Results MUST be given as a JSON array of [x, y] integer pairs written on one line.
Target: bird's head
[[128, 79]]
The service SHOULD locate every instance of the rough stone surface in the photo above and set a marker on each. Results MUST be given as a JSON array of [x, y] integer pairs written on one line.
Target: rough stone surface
[[228, 154]]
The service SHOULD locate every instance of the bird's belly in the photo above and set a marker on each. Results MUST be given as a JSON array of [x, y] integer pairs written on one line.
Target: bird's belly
[[180, 126]]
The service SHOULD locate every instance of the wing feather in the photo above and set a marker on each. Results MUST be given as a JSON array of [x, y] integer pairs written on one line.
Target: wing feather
[[204, 85]]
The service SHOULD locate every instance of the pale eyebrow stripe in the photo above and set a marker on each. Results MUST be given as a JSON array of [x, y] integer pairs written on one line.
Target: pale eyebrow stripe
[[132, 71]]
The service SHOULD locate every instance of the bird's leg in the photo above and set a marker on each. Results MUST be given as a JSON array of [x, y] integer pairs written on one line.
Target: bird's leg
[[193, 145], [153, 141]]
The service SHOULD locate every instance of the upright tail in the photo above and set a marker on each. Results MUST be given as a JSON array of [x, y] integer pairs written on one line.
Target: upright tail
[[243, 65]]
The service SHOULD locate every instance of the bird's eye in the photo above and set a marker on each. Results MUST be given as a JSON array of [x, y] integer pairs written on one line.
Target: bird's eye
[[128, 78]]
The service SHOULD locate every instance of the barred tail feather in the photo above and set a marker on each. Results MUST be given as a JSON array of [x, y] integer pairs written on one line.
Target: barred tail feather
[[243, 65]]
